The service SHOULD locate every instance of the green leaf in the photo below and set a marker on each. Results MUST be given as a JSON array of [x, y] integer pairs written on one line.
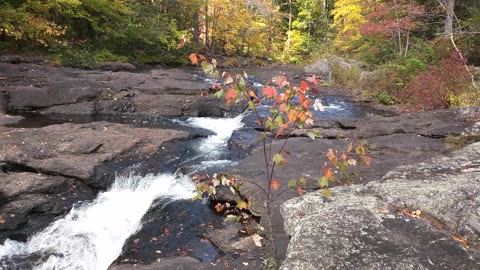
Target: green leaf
[[279, 120], [207, 68], [327, 193], [323, 182], [198, 196], [219, 93], [303, 181], [278, 158], [241, 205], [313, 134], [251, 105], [262, 136], [241, 82], [292, 183], [269, 124]]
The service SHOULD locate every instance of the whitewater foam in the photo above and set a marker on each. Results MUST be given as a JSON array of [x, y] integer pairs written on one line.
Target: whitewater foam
[[92, 235]]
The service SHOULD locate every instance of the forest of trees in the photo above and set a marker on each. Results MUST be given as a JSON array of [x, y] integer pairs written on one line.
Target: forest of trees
[[287, 30], [400, 36]]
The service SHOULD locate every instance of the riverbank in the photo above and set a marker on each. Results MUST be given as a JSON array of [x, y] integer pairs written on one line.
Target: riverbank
[[55, 164]]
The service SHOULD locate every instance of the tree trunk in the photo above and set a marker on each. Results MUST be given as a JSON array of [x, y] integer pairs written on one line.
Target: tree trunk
[[206, 24], [196, 27], [449, 6], [289, 34]]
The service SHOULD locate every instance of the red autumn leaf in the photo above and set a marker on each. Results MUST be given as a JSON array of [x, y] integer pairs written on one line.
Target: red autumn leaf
[[302, 99], [328, 173], [230, 96], [300, 191], [193, 59], [269, 92], [304, 86], [343, 157], [275, 184], [314, 79]]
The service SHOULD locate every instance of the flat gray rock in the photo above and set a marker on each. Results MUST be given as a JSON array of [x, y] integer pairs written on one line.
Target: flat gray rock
[[366, 226]]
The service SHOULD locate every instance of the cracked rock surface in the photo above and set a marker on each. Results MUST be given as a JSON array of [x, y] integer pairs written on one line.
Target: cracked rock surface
[[369, 226]]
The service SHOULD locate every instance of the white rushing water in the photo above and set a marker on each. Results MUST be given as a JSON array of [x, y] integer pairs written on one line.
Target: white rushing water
[[92, 235], [223, 128]]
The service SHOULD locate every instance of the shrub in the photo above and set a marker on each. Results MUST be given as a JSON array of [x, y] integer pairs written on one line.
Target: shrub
[[79, 57], [438, 86], [385, 98]]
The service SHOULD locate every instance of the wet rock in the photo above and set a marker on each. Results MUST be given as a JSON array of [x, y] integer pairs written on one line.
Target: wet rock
[[362, 227], [6, 119], [436, 124], [160, 92], [29, 201], [116, 66], [75, 151], [17, 59], [25, 98], [228, 238], [173, 263], [3, 103]]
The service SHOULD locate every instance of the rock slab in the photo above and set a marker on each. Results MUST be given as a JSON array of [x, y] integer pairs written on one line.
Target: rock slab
[[372, 227]]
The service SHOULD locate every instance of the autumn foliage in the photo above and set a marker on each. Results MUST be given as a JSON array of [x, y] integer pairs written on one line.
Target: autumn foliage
[[436, 87]]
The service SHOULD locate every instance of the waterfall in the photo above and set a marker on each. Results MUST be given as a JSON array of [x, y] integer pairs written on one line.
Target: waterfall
[[91, 235]]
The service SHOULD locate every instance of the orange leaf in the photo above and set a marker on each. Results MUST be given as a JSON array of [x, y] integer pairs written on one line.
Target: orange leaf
[[275, 184], [328, 173], [269, 92], [252, 94], [367, 160], [193, 59], [330, 154], [300, 191], [304, 86], [460, 239], [292, 115], [230, 96], [343, 157], [218, 207]]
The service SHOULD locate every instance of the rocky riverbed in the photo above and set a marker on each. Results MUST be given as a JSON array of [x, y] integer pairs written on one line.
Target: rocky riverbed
[[46, 169]]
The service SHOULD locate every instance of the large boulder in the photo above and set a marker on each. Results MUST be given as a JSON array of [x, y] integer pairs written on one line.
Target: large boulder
[[419, 216], [116, 66]]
